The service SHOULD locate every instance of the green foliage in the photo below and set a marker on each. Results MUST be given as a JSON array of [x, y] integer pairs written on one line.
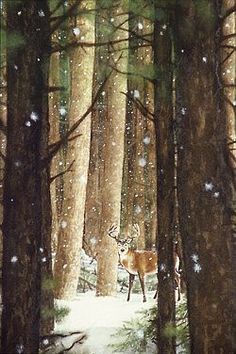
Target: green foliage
[[139, 334], [58, 312]]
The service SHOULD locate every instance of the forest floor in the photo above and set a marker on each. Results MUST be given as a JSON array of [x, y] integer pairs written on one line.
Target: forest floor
[[100, 317]]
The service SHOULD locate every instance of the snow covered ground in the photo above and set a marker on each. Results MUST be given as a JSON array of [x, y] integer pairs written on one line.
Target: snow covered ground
[[100, 317]]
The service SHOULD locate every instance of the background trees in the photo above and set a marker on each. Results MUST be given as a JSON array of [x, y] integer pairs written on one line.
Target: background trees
[[134, 91]]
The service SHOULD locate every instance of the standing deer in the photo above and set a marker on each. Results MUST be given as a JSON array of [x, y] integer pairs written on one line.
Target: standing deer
[[139, 262]]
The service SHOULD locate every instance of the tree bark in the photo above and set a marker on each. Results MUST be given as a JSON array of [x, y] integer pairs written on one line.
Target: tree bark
[[67, 263], [163, 103], [204, 180], [26, 200], [114, 127]]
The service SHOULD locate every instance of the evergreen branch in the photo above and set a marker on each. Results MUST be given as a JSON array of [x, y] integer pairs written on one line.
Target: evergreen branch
[[68, 169]]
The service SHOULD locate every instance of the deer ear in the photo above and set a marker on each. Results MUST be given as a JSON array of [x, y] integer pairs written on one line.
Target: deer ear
[[129, 240]]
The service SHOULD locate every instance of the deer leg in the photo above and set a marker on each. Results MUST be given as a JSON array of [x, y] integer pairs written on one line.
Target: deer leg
[[131, 282], [141, 278]]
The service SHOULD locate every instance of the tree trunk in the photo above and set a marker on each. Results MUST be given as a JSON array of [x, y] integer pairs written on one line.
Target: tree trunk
[[26, 202], [163, 101], [67, 262], [204, 180], [114, 127]]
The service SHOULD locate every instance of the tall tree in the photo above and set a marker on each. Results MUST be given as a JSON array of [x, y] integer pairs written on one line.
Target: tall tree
[[26, 215], [70, 236], [204, 178], [163, 101], [114, 125]]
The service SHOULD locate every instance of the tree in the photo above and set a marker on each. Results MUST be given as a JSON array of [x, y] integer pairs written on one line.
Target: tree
[[205, 183], [26, 199], [163, 101], [114, 126], [70, 236]]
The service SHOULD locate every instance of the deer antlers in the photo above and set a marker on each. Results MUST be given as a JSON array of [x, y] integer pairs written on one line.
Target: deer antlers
[[113, 232]]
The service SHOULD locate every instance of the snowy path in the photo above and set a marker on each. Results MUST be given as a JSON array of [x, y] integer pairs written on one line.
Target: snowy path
[[100, 317]]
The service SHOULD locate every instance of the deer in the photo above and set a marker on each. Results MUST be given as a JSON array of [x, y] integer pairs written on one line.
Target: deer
[[139, 262]]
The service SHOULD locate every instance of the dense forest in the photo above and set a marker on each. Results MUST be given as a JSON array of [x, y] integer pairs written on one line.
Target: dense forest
[[118, 139]]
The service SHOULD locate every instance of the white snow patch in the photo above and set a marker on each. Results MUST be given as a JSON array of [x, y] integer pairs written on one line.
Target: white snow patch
[[140, 26], [100, 317], [41, 13], [14, 259], [62, 111], [34, 116], [146, 140]]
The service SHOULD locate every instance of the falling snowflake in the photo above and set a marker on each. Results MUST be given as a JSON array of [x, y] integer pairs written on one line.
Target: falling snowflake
[[19, 348], [14, 259], [62, 111], [34, 116], [44, 259], [41, 13], [45, 341], [65, 266], [19, 13], [183, 110], [216, 194], [16, 67], [28, 123], [234, 103], [142, 162], [140, 26], [146, 140], [137, 209], [63, 224], [204, 59], [208, 186], [41, 249], [195, 257], [76, 31], [197, 268], [162, 267], [136, 94]]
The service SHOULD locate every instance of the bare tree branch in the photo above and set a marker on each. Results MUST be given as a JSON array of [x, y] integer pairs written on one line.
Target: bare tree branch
[[68, 169], [56, 147], [140, 106], [228, 12]]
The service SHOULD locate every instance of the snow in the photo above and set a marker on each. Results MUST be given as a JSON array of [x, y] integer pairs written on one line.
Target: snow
[[100, 317]]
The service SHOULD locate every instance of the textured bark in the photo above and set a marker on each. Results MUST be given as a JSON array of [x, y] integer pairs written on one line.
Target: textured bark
[[204, 181], [114, 127], [138, 192], [67, 263], [163, 102], [26, 202]]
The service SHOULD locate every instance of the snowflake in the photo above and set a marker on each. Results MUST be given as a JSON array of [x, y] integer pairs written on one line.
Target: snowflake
[[14, 259], [164, 27], [44, 259], [28, 123], [62, 111], [93, 241], [19, 13], [41, 249], [234, 103], [63, 224], [162, 267], [16, 67], [216, 194], [34, 116], [64, 266], [136, 94], [140, 26], [45, 341], [197, 268], [19, 348], [183, 110], [208, 186], [195, 257], [76, 31], [137, 209], [142, 162], [146, 140], [41, 13], [204, 59]]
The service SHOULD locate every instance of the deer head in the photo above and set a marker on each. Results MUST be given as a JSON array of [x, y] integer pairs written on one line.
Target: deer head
[[123, 244]]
